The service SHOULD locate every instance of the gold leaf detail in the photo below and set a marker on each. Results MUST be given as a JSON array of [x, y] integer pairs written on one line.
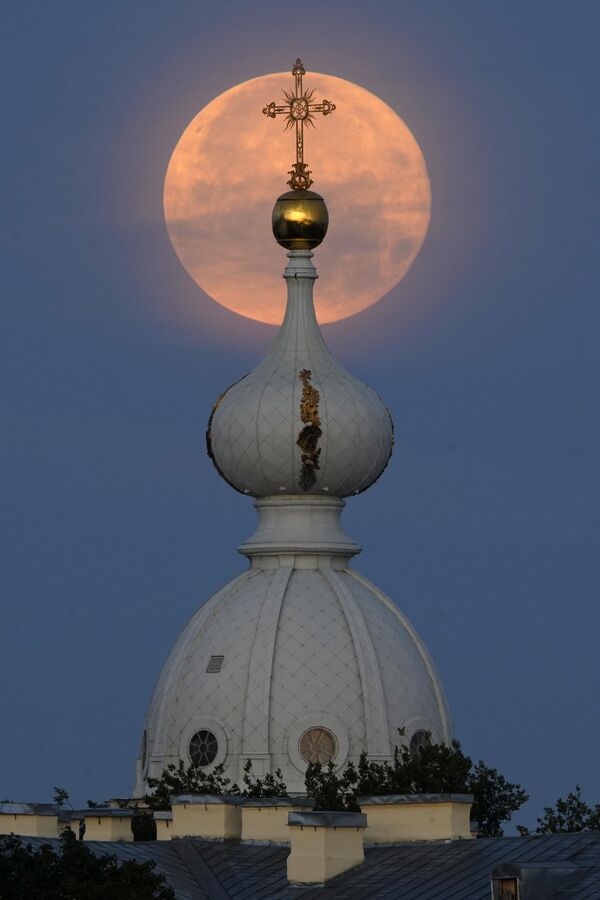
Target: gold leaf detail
[[308, 438]]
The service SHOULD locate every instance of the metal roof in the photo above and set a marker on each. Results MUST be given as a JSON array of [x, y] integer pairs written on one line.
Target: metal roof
[[28, 809], [457, 870]]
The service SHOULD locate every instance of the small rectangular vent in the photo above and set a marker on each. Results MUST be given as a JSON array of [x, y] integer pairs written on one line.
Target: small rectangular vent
[[505, 888], [215, 663]]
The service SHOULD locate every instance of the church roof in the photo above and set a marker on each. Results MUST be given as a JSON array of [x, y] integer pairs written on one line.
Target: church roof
[[552, 866], [300, 648]]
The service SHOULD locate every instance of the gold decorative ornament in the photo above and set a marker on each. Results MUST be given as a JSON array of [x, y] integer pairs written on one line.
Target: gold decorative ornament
[[308, 438], [300, 220], [299, 110]]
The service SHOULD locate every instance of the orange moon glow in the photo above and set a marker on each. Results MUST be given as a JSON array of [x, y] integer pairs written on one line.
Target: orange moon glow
[[230, 165]]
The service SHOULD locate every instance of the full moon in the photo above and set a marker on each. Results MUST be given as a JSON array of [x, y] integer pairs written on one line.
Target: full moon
[[230, 165]]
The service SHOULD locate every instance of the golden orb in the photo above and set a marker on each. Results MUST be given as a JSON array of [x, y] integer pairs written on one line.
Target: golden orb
[[300, 220]]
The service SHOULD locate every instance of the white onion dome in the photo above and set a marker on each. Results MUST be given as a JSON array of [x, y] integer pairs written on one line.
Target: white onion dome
[[300, 659], [300, 423]]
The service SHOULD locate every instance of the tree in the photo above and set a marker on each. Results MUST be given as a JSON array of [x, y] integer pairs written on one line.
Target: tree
[[331, 788], [435, 768], [444, 768], [571, 814], [182, 779], [270, 786], [73, 871], [60, 796], [143, 826], [495, 799]]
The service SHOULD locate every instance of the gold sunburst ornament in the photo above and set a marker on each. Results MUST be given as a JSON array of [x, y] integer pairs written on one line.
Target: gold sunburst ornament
[[299, 110]]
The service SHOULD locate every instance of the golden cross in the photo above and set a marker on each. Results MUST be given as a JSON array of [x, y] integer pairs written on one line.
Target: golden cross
[[299, 109]]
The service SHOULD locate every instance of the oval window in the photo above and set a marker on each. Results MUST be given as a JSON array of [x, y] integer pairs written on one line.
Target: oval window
[[203, 748], [419, 741]]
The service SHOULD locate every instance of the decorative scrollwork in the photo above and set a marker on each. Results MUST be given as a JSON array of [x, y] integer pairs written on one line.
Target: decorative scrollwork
[[299, 108], [300, 179], [308, 438]]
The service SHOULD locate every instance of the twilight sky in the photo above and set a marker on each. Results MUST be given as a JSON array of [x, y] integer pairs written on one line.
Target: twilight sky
[[115, 527]]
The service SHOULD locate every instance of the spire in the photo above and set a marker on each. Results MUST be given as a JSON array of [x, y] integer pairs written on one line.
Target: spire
[[300, 424]]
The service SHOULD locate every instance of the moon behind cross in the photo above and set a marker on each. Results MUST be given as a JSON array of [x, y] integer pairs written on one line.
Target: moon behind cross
[[229, 167]]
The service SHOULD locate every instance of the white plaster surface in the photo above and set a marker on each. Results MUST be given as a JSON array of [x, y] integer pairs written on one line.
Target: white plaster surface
[[255, 426], [302, 647], [306, 641]]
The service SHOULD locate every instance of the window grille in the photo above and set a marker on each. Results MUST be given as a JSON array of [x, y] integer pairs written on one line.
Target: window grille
[[318, 745], [419, 741], [215, 663], [203, 748]]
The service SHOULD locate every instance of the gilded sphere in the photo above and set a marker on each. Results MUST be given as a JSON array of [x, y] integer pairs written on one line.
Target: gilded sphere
[[300, 220]]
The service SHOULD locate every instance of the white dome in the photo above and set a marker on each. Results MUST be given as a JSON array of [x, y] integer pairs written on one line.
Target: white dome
[[299, 658], [301, 642], [300, 422]]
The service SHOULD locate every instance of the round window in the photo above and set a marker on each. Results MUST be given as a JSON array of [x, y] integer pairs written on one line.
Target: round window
[[318, 745], [419, 741], [203, 748]]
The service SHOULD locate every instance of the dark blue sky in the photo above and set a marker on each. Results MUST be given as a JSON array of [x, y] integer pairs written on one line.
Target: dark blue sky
[[115, 526]]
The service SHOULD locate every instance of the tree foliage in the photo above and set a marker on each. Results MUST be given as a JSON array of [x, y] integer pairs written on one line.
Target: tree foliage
[[60, 796], [190, 779], [73, 872], [332, 788], [143, 826], [495, 799], [569, 814], [269, 786], [436, 768], [182, 779]]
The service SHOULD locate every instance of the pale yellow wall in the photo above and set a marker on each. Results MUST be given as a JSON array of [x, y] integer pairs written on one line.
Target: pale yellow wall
[[164, 829], [211, 820], [391, 822], [319, 854], [108, 828], [266, 823], [29, 826]]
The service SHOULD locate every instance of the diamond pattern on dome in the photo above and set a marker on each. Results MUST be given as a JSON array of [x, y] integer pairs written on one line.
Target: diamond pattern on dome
[[377, 734], [411, 684], [315, 666], [254, 433], [257, 718], [255, 428], [230, 628]]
